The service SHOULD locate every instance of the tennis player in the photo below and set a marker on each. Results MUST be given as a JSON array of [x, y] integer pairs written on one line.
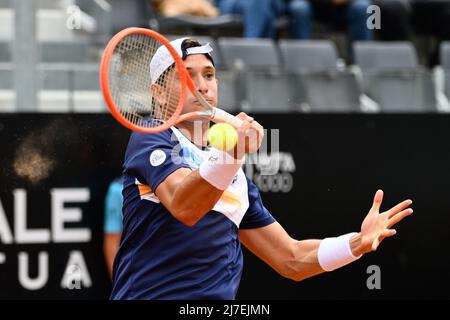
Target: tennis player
[[186, 211]]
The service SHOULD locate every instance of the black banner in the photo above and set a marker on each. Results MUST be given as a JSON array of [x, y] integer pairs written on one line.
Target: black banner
[[55, 169]]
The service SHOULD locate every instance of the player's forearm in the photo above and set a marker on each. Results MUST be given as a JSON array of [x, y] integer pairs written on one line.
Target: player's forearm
[[305, 261], [111, 243], [356, 245], [302, 263], [293, 259], [205, 186], [193, 198]]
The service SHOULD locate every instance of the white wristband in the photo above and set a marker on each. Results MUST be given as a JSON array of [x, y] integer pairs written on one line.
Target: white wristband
[[334, 253], [219, 168]]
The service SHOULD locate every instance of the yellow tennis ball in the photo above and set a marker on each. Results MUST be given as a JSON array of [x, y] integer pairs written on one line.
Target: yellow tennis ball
[[222, 136]]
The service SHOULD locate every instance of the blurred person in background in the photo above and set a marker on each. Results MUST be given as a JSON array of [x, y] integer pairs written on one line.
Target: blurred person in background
[[350, 14], [260, 16], [401, 19], [112, 226], [201, 8], [395, 20]]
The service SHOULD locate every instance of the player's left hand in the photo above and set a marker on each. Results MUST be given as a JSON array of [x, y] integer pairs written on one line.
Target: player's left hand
[[377, 226]]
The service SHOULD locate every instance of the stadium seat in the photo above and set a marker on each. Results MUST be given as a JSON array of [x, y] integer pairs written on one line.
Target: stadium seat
[[249, 53], [5, 51], [230, 94], [57, 43], [6, 30], [445, 55], [214, 26], [5, 4], [385, 55], [265, 87], [69, 87], [392, 77], [130, 13], [100, 11], [6, 77], [7, 92], [445, 63], [52, 26], [325, 87], [50, 4], [67, 51], [258, 66], [332, 91], [7, 96], [314, 55], [270, 91], [86, 77]]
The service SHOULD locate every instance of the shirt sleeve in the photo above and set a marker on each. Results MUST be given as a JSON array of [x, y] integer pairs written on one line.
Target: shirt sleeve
[[113, 208], [257, 215], [151, 158]]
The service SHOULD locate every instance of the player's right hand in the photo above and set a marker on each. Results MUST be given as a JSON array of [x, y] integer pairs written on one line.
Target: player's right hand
[[250, 136]]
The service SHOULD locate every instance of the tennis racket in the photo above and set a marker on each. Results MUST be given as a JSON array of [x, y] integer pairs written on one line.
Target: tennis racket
[[134, 100]]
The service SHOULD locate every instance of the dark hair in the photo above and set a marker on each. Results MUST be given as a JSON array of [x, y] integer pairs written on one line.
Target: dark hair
[[192, 43], [186, 44]]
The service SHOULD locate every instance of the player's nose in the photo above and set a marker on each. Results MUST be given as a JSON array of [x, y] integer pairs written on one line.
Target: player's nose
[[201, 85]]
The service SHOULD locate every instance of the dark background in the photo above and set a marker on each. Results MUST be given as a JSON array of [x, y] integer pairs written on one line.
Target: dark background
[[341, 160]]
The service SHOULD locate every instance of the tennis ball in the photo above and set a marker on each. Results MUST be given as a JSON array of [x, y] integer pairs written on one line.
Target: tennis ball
[[222, 136]]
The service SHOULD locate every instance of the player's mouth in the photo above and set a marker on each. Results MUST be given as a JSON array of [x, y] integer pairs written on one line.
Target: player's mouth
[[197, 102]]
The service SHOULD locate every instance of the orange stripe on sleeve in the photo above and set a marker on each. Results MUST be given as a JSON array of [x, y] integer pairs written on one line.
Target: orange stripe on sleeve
[[144, 189]]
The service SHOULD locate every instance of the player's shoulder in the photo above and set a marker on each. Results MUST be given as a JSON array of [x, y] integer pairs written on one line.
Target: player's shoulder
[[163, 136], [252, 188], [141, 141], [250, 183]]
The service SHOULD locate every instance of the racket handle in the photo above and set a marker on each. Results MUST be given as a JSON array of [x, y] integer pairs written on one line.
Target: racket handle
[[223, 116]]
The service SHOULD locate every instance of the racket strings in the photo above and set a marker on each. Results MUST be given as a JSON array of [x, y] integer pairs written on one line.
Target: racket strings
[[137, 100]]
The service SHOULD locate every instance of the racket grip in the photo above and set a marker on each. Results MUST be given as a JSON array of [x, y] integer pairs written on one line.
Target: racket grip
[[223, 116]]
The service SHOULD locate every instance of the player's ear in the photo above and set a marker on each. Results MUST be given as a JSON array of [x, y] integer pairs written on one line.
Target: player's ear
[[157, 93]]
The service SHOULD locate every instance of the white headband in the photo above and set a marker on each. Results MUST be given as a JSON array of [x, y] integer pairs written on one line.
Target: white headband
[[162, 58]]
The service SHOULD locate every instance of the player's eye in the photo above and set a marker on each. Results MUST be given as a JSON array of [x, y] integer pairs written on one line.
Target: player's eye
[[209, 75]]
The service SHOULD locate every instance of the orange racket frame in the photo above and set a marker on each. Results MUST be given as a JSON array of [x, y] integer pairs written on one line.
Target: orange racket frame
[[213, 113]]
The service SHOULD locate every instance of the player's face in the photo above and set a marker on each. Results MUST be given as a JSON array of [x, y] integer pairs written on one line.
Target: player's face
[[167, 90], [203, 75]]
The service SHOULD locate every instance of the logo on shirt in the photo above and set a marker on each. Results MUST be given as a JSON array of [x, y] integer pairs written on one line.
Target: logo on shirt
[[157, 157], [213, 159]]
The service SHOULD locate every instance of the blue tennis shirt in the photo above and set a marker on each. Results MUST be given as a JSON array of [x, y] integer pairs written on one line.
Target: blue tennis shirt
[[161, 258]]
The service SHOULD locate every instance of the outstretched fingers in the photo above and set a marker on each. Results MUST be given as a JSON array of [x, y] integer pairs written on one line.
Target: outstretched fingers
[[375, 244], [399, 217], [388, 233], [377, 199], [399, 207], [385, 234]]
